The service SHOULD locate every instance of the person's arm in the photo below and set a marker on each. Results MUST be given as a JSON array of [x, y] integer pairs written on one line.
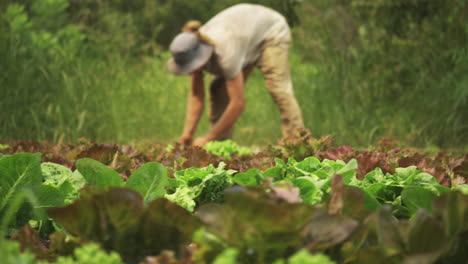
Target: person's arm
[[195, 107], [235, 89]]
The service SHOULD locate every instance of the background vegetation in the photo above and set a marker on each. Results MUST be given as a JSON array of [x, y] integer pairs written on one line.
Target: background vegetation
[[362, 70]]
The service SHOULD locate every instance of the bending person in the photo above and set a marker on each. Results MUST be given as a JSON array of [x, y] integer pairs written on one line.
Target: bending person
[[229, 46]]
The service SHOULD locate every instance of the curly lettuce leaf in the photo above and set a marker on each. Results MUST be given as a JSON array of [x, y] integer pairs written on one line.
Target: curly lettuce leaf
[[198, 185]]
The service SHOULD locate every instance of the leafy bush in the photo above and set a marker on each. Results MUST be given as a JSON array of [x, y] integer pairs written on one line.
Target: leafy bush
[[90, 254], [11, 254], [357, 65], [24, 195], [270, 215], [193, 186], [304, 257], [226, 148], [388, 64]]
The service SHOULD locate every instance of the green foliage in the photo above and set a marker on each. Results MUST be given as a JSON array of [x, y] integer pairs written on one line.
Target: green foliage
[[10, 252], [18, 172], [199, 185], [87, 254], [463, 188], [90, 254], [251, 177], [408, 189], [286, 214], [86, 68], [3, 147], [118, 220], [149, 180], [169, 25], [63, 179], [375, 237], [228, 256], [260, 224], [226, 148], [20, 187], [304, 257], [28, 188], [379, 59], [98, 174]]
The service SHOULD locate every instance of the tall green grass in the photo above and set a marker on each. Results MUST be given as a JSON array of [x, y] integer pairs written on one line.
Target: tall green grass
[[122, 102], [64, 86]]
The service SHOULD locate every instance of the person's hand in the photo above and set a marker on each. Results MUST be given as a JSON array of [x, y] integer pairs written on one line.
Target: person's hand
[[185, 140], [200, 142]]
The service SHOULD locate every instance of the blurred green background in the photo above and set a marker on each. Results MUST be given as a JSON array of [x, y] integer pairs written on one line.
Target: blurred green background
[[362, 70]]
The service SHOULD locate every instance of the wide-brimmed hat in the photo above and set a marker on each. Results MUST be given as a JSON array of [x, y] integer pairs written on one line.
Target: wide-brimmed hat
[[188, 53]]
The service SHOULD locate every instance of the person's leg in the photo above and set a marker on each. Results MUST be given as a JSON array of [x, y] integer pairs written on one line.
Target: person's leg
[[219, 99], [274, 64]]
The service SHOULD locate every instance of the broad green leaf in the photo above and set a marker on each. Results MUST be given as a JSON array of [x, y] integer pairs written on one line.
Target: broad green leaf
[[310, 193], [304, 257], [350, 200], [149, 180], [54, 173], [326, 172], [251, 177], [166, 225], [426, 234], [199, 185], [256, 222], [463, 188], [226, 148], [228, 256], [62, 179], [116, 209], [209, 245], [47, 197], [90, 253], [377, 240], [415, 197], [98, 174], [116, 218], [122, 206], [265, 209], [452, 207], [411, 176], [310, 164], [77, 180], [376, 189], [184, 196], [17, 172], [274, 172], [11, 253], [326, 231], [386, 230], [348, 171], [375, 176], [81, 218], [358, 203]]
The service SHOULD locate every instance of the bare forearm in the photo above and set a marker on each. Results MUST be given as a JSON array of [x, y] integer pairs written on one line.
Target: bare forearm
[[235, 89], [227, 120], [195, 104], [192, 116]]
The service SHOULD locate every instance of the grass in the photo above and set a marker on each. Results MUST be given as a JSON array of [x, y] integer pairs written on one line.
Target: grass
[[382, 91], [121, 103]]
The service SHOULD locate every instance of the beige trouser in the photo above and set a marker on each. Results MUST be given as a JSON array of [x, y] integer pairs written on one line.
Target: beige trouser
[[274, 64]]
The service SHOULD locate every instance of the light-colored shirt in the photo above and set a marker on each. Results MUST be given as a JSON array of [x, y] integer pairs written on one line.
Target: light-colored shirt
[[239, 33]]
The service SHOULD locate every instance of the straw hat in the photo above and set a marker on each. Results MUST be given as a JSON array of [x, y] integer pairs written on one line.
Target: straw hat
[[188, 53]]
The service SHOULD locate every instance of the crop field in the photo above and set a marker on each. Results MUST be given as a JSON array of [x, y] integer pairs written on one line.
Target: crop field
[[304, 200], [90, 171]]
